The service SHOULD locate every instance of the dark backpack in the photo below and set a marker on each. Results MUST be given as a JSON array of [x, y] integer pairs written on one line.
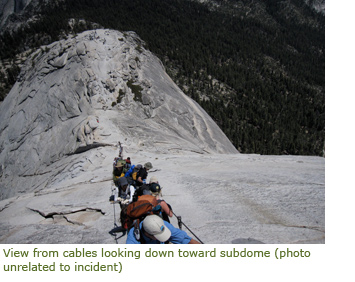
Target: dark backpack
[[141, 191]]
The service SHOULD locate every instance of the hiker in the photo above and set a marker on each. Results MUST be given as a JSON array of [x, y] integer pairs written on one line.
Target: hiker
[[125, 192], [137, 174], [153, 230], [143, 174], [136, 211], [119, 170], [166, 209], [117, 173], [128, 163]]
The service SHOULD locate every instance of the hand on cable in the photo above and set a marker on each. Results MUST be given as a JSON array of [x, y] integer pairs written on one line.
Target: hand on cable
[[119, 200]]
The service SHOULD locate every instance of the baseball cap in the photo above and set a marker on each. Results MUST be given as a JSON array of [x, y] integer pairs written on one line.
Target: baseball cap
[[154, 226], [155, 188]]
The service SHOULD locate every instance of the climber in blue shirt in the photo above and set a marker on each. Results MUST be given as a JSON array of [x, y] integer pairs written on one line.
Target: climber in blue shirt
[[153, 230]]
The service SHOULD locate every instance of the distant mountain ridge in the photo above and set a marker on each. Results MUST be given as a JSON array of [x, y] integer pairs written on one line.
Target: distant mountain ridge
[[317, 5], [10, 7]]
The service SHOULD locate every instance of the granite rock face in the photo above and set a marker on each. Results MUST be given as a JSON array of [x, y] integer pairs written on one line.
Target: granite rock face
[[221, 198], [93, 90]]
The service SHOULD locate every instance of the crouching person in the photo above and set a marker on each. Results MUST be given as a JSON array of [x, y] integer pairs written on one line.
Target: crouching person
[[125, 192], [153, 230]]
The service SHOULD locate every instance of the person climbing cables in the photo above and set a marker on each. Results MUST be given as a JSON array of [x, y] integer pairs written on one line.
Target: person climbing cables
[[138, 174], [143, 174], [117, 172], [153, 230], [166, 210], [128, 163], [125, 192], [120, 168]]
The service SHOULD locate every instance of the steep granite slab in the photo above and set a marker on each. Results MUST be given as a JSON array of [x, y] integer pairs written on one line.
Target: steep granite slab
[[89, 91]]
